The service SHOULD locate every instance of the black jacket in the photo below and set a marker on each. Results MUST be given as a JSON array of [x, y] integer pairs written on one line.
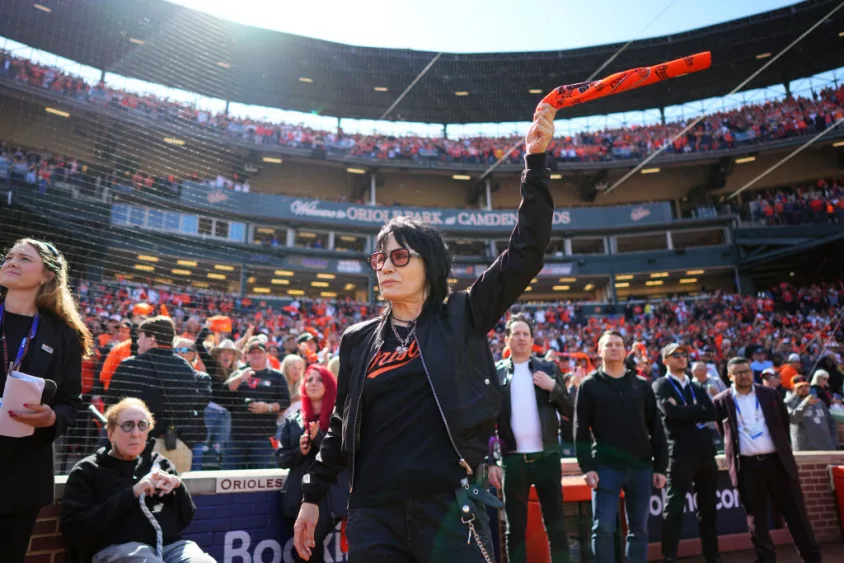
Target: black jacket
[[453, 346], [170, 387], [680, 419], [548, 404], [626, 426], [26, 464], [290, 457], [99, 508]]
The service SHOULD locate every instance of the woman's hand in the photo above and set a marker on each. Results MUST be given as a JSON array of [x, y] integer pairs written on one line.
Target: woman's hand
[[303, 529], [542, 131], [165, 483], [42, 416], [145, 486], [304, 444]]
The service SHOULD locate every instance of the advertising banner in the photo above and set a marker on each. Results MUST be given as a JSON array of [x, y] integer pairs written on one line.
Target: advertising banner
[[329, 213]]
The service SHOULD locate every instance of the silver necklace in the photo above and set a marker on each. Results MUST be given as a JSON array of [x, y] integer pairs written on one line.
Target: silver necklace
[[404, 343]]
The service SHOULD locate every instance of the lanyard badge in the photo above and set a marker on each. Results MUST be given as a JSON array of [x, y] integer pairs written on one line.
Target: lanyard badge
[[758, 429], [23, 348]]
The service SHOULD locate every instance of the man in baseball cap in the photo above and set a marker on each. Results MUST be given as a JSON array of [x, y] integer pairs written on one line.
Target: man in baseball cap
[[770, 378], [790, 369]]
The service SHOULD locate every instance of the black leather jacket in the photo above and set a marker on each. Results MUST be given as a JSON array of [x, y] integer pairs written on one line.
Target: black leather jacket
[[548, 404], [453, 346]]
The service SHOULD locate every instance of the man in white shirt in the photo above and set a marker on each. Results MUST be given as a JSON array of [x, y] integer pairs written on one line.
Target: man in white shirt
[[755, 424], [532, 394]]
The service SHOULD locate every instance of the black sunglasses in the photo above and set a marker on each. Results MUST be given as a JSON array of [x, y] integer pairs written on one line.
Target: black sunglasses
[[129, 425], [678, 355], [400, 257], [183, 350]]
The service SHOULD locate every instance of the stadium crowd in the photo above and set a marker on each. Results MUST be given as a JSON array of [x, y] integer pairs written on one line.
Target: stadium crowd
[[749, 124], [787, 331]]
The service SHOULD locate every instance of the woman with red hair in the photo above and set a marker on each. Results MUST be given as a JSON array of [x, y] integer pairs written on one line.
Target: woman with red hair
[[299, 440]]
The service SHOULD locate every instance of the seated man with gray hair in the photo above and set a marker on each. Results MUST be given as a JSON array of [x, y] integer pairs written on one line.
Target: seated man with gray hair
[[713, 385]]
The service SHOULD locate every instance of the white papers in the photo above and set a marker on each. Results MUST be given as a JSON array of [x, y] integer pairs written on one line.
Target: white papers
[[20, 389]]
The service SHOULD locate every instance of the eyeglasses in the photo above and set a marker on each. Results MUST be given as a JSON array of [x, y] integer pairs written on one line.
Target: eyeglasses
[[743, 372], [183, 350], [678, 355], [400, 257], [129, 425]]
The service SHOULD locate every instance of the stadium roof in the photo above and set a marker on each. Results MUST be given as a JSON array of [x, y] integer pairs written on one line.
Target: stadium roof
[[160, 42]]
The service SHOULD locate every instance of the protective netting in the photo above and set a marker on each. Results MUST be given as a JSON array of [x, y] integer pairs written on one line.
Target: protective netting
[[189, 167]]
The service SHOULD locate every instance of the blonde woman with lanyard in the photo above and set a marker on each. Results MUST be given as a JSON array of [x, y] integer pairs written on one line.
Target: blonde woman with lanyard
[[43, 336]]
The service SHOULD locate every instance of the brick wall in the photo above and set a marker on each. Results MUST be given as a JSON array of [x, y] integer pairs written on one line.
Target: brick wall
[[258, 513]]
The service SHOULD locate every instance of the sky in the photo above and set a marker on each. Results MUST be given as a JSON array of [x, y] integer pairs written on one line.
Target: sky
[[476, 26]]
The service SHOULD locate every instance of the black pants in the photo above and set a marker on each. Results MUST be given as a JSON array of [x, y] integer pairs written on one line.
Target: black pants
[[15, 530], [545, 475], [760, 476], [682, 473], [428, 529]]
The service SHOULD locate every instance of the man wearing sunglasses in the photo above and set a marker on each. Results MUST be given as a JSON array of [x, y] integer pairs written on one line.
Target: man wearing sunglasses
[[686, 407]]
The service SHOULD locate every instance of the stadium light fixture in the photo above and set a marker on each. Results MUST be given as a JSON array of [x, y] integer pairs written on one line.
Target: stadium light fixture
[[694, 273], [534, 280], [186, 263], [224, 267], [285, 273], [745, 159], [200, 284], [58, 112], [568, 280], [319, 284], [306, 80], [622, 284], [761, 56], [556, 176], [535, 91], [650, 170], [688, 280], [174, 141], [261, 289], [347, 238], [838, 144], [588, 287], [356, 170], [328, 294], [295, 292], [349, 287], [528, 288], [452, 281], [265, 231], [223, 64], [272, 160], [147, 258], [276, 281], [561, 287], [136, 41], [381, 89], [43, 8], [624, 277], [326, 276], [180, 272], [251, 279], [164, 281], [841, 34], [659, 275], [145, 267], [462, 177], [461, 93], [654, 282], [213, 276], [307, 235]]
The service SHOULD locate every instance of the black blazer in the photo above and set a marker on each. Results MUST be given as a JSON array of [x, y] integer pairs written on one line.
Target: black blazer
[[26, 464], [776, 418], [685, 439]]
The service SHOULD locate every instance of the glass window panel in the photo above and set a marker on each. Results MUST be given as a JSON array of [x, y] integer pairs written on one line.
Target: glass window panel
[[205, 226], [221, 229], [119, 214], [237, 232], [136, 216], [171, 221], [190, 224], [155, 219]]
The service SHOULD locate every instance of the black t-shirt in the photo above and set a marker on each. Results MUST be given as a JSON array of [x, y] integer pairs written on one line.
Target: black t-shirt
[[404, 450], [268, 386], [14, 328], [618, 383]]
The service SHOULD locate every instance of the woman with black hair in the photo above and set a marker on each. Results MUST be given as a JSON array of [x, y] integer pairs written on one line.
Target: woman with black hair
[[42, 335], [418, 392]]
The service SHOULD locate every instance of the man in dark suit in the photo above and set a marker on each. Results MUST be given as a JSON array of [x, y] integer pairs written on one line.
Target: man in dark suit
[[532, 395], [755, 425], [685, 407]]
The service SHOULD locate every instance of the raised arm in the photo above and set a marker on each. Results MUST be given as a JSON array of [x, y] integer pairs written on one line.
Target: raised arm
[[503, 282]]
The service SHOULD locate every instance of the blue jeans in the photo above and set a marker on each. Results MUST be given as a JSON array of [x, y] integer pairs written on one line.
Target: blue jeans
[[638, 486], [249, 454], [218, 425], [198, 451]]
